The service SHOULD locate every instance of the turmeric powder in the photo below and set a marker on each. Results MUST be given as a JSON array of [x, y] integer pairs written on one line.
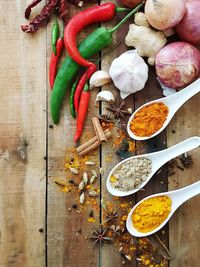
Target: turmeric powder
[[151, 213], [149, 119]]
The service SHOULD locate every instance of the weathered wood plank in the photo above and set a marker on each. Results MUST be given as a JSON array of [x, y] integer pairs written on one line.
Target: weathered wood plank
[[67, 230], [22, 119], [110, 255], [184, 233]]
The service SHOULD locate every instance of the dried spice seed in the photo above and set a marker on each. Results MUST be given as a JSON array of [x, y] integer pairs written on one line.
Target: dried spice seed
[[41, 230], [71, 181], [51, 126], [91, 213], [74, 206]]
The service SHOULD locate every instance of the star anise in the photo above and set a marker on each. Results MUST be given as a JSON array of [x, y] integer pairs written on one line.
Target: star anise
[[186, 160], [105, 117], [111, 217], [99, 236], [117, 110]]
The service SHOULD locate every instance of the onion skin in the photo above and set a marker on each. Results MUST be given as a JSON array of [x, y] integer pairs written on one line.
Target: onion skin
[[131, 3], [189, 27], [164, 14], [178, 64]]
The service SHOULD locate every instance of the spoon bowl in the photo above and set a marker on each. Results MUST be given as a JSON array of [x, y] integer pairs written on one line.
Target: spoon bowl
[[157, 159], [173, 102], [178, 197]]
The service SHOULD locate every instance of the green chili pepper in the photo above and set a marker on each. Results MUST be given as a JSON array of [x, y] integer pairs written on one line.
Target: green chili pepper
[[54, 36], [90, 46], [71, 99], [69, 69]]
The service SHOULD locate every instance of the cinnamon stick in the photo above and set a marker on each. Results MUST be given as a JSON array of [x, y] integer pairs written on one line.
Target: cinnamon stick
[[98, 129], [89, 142], [94, 145]]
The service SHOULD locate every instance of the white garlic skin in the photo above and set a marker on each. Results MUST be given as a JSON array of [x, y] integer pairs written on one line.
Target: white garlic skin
[[99, 78], [106, 96], [129, 73]]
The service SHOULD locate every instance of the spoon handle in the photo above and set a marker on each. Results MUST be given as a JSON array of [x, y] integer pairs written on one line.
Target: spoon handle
[[178, 99], [176, 150], [186, 193]]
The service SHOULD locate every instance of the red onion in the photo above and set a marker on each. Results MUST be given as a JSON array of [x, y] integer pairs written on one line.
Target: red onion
[[189, 27], [178, 64], [164, 14]]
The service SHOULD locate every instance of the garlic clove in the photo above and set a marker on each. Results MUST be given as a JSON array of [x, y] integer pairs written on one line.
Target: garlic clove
[[99, 78], [106, 96]]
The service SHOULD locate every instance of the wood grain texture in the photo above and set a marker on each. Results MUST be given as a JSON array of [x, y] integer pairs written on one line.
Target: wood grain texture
[[22, 134], [110, 256], [66, 246], [184, 232]]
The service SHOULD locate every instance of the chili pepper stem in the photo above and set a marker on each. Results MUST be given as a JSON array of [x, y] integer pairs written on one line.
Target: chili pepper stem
[[122, 9], [62, 30], [126, 18]]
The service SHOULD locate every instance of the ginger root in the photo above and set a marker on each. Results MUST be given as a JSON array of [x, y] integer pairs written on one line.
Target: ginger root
[[144, 38]]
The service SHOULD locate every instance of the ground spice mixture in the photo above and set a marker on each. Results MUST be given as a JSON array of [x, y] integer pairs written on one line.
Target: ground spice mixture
[[149, 119], [131, 174], [151, 213]]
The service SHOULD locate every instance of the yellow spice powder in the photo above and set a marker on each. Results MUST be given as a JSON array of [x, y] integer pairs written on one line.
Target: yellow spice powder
[[149, 119], [151, 213]]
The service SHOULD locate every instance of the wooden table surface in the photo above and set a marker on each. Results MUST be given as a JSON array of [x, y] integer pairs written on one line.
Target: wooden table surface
[[36, 228]]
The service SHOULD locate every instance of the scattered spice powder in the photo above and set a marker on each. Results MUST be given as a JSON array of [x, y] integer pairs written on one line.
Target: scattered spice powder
[[131, 174], [149, 119], [151, 213]]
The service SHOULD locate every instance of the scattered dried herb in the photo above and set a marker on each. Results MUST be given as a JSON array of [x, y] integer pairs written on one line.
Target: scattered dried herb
[[59, 184], [41, 19], [99, 236]]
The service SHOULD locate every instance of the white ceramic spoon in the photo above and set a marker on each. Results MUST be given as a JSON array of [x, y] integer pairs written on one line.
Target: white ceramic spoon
[[178, 197], [158, 159], [174, 102]]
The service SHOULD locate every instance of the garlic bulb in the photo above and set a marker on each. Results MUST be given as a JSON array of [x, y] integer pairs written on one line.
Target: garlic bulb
[[99, 78], [106, 96], [129, 73]]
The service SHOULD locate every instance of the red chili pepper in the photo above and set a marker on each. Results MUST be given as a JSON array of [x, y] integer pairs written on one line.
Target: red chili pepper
[[54, 61], [89, 16], [81, 84], [82, 111]]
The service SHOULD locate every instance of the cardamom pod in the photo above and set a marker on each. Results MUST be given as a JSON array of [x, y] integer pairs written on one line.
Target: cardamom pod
[[92, 179], [93, 194], [85, 178], [82, 198], [81, 185], [90, 163], [73, 170]]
